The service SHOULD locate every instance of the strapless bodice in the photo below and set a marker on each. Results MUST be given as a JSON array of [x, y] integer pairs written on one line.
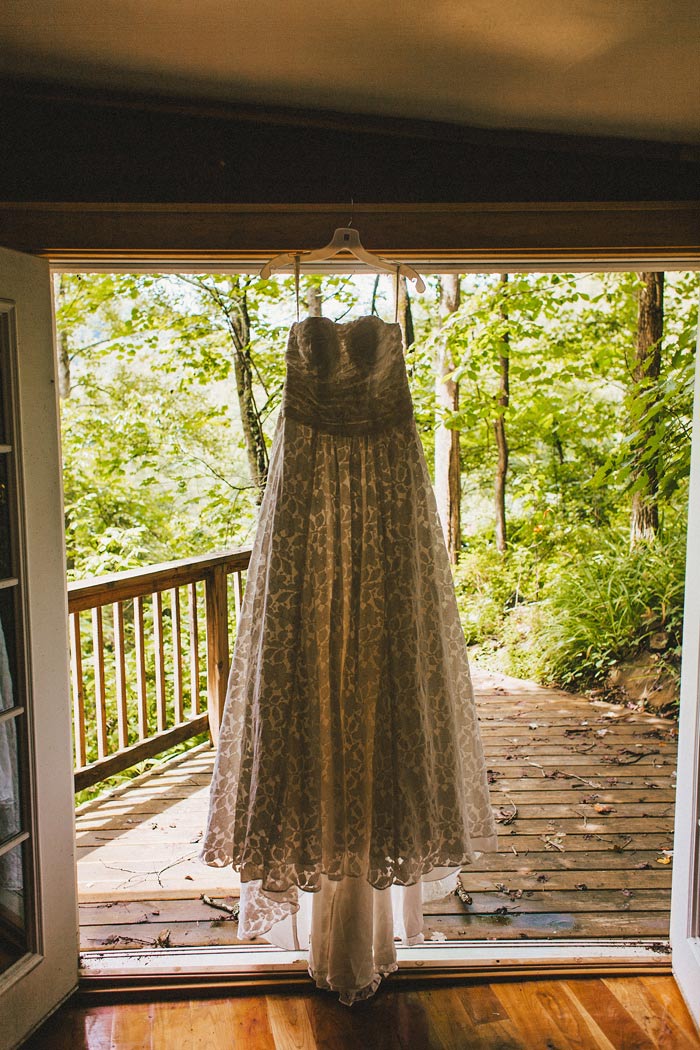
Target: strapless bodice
[[346, 378]]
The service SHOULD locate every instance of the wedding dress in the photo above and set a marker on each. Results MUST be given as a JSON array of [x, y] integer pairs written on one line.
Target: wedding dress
[[349, 783]]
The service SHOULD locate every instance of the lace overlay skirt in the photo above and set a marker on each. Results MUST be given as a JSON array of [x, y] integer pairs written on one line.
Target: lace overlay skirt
[[349, 758]]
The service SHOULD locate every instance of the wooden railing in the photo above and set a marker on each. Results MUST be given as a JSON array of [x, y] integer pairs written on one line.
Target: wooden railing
[[137, 659]]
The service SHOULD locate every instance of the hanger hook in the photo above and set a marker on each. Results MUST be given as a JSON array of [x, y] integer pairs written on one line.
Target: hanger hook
[[352, 211]]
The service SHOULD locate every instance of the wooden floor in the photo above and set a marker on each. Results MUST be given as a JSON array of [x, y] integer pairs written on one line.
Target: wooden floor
[[584, 795], [619, 1013]]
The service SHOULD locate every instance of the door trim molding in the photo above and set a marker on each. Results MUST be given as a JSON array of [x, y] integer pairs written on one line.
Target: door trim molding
[[83, 235]]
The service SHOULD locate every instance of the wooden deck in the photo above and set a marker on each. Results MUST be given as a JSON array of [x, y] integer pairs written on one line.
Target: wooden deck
[[584, 795]]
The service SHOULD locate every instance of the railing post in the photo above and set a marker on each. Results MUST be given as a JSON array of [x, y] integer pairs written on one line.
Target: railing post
[[216, 602]]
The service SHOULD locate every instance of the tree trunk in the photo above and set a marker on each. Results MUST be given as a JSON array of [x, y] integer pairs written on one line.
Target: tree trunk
[[64, 380], [314, 301], [448, 467], [233, 306], [499, 426], [239, 326], [375, 291], [405, 315], [646, 370]]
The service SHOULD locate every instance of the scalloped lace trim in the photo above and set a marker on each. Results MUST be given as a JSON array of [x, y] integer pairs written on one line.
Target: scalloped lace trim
[[348, 996]]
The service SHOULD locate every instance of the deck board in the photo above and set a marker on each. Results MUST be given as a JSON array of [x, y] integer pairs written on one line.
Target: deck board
[[564, 868]]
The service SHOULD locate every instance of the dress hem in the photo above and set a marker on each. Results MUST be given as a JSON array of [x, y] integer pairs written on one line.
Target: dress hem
[[348, 996], [217, 858]]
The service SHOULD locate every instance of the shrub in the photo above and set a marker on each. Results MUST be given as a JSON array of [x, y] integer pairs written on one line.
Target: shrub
[[605, 606]]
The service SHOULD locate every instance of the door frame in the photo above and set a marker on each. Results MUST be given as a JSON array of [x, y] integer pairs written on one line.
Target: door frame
[[48, 972], [197, 968], [685, 890]]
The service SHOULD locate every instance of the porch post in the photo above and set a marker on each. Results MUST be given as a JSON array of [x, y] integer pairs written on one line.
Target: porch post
[[216, 600]]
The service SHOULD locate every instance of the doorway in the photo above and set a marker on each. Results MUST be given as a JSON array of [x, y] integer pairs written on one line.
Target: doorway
[[145, 924]]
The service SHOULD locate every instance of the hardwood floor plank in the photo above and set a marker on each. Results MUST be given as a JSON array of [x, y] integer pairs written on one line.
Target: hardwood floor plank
[[545, 1020], [290, 1023], [653, 1018], [72, 1027], [97, 1029], [481, 1003], [175, 1016], [133, 1027], [411, 1020], [450, 1025], [249, 1024], [599, 1003], [665, 992], [364, 1024]]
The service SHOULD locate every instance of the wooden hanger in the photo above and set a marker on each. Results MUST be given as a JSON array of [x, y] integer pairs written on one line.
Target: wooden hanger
[[345, 239]]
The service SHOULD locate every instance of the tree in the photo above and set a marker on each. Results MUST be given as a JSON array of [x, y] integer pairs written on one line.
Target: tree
[[314, 300], [448, 468], [231, 301], [63, 338], [646, 370], [499, 425], [403, 312]]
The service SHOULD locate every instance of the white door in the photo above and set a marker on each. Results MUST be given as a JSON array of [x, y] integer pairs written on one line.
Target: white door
[[38, 911], [685, 901]]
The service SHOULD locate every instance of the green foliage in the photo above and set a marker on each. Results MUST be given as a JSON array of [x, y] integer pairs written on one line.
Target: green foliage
[[573, 432], [154, 459], [601, 609], [489, 586], [662, 412]]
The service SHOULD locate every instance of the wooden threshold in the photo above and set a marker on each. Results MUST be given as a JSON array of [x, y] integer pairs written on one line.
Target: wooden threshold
[[207, 972], [178, 986]]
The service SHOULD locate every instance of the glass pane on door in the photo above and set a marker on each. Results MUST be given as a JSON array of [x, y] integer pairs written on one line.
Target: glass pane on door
[[10, 791], [5, 512], [10, 818], [16, 927], [13, 927]]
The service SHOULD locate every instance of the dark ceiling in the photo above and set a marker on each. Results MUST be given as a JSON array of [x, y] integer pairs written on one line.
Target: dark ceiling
[[625, 68]]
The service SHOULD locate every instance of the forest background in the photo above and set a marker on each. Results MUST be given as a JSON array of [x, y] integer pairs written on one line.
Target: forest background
[[555, 412]]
